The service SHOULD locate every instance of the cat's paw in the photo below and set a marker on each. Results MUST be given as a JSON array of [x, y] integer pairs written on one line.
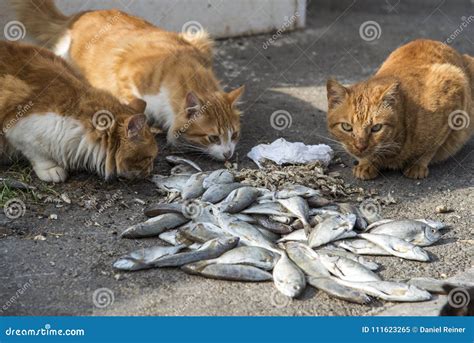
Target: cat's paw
[[54, 174], [416, 171], [365, 171]]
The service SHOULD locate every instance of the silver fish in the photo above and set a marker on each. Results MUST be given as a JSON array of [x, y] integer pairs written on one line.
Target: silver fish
[[290, 191], [361, 247], [171, 237], [179, 160], [248, 255], [218, 192], [433, 223], [281, 219], [272, 225], [173, 183], [193, 188], [347, 269], [218, 177], [269, 209], [435, 285], [296, 236], [154, 226], [397, 247], [334, 251], [203, 232], [245, 218], [306, 259], [183, 169], [387, 290], [239, 199], [411, 231], [144, 258], [208, 250], [270, 236], [361, 221], [317, 201], [157, 209], [288, 278], [323, 211], [232, 272], [298, 206], [332, 228], [339, 291]]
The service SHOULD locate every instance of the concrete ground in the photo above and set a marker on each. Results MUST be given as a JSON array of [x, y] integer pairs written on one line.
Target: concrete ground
[[59, 275]]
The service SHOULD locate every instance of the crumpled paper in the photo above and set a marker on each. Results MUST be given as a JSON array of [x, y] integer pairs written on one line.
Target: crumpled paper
[[283, 152]]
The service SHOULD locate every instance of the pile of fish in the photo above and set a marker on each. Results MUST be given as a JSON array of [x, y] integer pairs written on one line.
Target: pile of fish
[[223, 229]]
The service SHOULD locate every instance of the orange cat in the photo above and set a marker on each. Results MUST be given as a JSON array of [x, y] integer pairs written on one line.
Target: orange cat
[[133, 59], [54, 118], [416, 110]]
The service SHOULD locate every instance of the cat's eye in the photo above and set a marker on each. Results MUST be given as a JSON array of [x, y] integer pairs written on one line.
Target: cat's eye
[[346, 127], [214, 139], [235, 135], [376, 128]]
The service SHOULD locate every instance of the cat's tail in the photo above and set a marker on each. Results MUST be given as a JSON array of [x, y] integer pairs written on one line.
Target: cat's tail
[[42, 20], [201, 41]]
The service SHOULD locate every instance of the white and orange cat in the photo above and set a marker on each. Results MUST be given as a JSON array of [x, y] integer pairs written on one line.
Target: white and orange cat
[[418, 109], [133, 59], [52, 116]]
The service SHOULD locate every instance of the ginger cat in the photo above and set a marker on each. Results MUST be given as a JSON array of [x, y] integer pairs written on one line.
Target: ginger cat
[[133, 59], [54, 118], [416, 110]]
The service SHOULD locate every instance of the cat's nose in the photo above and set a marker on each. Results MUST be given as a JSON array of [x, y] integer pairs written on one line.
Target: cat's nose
[[228, 154], [361, 146]]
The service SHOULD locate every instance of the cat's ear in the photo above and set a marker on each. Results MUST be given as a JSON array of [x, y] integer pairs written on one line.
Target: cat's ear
[[390, 94], [135, 125], [138, 105], [234, 96], [336, 93], [192, 105]]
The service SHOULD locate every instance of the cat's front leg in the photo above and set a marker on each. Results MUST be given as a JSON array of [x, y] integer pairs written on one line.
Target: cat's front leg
[[49, 171], [419, 168], [365, 170]]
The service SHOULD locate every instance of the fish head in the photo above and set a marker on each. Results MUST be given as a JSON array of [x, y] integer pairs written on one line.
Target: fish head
[[288, 287], [416, 293], [432, 234]]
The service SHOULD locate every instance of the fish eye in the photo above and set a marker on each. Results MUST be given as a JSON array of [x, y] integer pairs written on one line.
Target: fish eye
[[376, 128], [346, 127], [214, 139]]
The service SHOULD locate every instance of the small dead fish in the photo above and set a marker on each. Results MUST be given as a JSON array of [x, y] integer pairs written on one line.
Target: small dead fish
[[411, 231], [361, 247], [272, 225], [245, 218], [313, 221], [156, 210], [306, 259], [269, 209], [208, 250], [239, 199], [183, 169], [203, 232], [435, 285], [397, 247], [332, 228], [361, 222], [15, 184], [281, 219], [288, 278], [179, 160], [154, 226], [173, 183], [317, 201], [232, 272], [144, 258], [193, 188], [341, 252], [323, 211], [387, 290], [290, 191], [295, 236], [347, 269], [218, 192], [339, 291], [218, 177], [298, 206], [270, 236], [433, 223]]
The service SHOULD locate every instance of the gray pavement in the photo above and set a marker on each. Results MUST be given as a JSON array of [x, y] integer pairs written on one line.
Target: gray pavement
[[60, 274]]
